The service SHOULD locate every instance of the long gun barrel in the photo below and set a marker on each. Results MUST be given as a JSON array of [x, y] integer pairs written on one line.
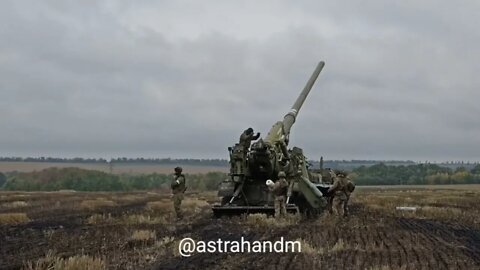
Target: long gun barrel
[[290, 117]]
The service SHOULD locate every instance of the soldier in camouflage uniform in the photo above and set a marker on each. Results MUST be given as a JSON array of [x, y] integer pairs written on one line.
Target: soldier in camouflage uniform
[[247, 137], [333, 175], [178, 188], [339, 191], [279, 190], [350, 189]]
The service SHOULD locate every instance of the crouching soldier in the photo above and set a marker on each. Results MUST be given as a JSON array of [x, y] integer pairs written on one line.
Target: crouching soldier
[[279, 190], [178, 188]]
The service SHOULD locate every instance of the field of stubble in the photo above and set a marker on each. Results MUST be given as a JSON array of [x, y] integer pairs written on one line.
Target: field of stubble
[[73, 230]]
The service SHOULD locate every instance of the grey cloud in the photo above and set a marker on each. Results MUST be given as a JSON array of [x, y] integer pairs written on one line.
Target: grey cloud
[[181, 79]]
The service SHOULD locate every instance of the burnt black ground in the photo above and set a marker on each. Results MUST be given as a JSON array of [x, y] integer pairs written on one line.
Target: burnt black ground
[[370, 240]]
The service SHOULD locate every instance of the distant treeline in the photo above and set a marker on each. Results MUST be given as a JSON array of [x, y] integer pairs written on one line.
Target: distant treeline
[[54, 179], [334, 164], [53, 159], [420, 174], [120, 160], [353, 164], [169, 161], [3, 179]]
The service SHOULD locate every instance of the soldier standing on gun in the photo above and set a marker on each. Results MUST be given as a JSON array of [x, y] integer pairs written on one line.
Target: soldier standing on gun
[[280, 189], [247, 137], [340, 193], [178, 188]]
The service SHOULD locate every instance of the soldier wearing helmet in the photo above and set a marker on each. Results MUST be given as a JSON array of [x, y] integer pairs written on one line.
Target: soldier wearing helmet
[[178, 188], [350, 188], [341, 190], [279, 190], [247, 137], [332, 176]]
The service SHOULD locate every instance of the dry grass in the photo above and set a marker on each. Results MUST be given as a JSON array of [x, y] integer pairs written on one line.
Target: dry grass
[[15, 204], [143, 219], [79, 262], [135, 219], [309, 249], [96, 219], [442, 204], [97, 203], [66, 191], [159, 206], [144, 235], [441, 212], [165, 241], [189, 206], [339, 246], [129, 198], [383, 267], [194, 205], [17, 196], [175, 247], [163, 246], [141, 232], [209, 196], [13, 218], [48, 233], [263, 221]]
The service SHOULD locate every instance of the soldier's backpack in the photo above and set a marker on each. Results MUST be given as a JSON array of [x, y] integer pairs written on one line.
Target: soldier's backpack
[[350, 186]]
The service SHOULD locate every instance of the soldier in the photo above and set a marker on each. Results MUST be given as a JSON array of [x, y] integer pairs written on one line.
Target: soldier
[[279, 190], [332, 175], [350, 188], [178, 188], [247, 137], [330, 199], [340, 193]]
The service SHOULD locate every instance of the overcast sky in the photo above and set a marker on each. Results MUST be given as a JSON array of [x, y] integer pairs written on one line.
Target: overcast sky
[[185, 78]]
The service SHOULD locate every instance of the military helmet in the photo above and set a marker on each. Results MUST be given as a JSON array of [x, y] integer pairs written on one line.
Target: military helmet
[[178, 169], [341, 173], [282, 174], [249, 130]]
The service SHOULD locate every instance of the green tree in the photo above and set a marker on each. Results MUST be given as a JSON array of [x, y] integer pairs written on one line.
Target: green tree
[[476, 169], [3, 179]]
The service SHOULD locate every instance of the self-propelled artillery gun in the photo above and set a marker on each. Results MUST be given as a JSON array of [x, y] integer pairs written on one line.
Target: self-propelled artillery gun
[[245, 191]]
